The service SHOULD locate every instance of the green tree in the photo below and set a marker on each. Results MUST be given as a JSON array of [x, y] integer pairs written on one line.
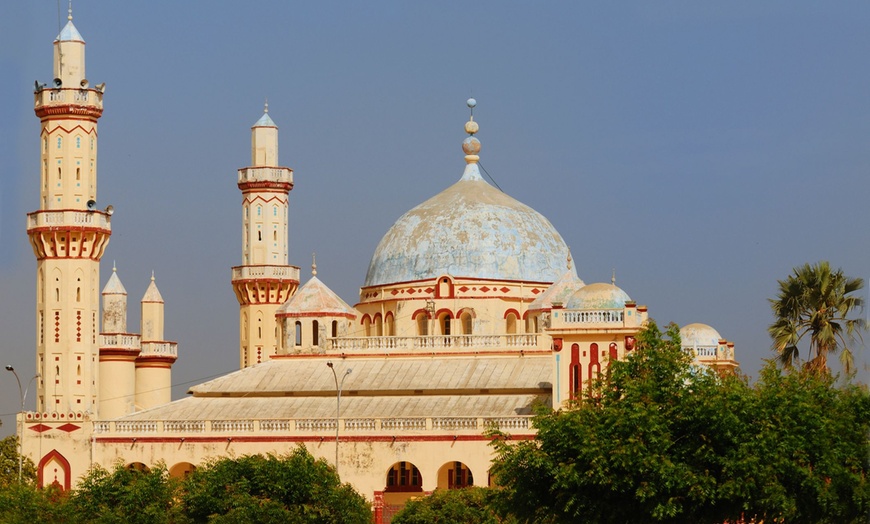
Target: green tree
[[294, 488], [25, 504], [816, 302], [661, 440], [125, 495], [9, 464], [454, 506]]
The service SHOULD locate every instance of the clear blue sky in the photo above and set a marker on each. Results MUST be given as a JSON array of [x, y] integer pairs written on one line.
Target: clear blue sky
[[701, 149]]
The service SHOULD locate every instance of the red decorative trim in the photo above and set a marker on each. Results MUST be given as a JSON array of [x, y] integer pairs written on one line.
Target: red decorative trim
[[365, 319], [69, 428], [419, 312], [69, 110], [514, 311], [39, 428], [389, 316], [155, 361], [46, 131], [64, 464], [457, 278], [442, 311]]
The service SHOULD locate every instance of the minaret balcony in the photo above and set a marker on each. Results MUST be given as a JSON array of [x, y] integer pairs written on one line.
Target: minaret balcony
[[82, 102], [242, 273], [265, 177], [69, 217], [159, 349], [122, 341]]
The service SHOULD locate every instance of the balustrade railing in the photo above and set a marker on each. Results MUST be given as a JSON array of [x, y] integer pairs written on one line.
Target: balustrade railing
[[69, 216], [604, 316], [522, 341], [120, 341], [390, 426], [169, 349], [277, 272], [265, 174]]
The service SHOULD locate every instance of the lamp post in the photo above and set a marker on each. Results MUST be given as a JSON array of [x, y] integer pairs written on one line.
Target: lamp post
[[338, 386], [22, 396]]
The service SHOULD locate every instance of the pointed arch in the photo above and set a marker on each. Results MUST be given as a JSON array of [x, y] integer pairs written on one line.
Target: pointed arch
[[54, 456]]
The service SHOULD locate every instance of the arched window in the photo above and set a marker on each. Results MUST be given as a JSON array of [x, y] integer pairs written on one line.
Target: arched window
[[298, 333], [510, 323], [422, 324], [315, 333], [367, 326], [78, 294], [466, 321], [379, 326], [334, 328], [444, 324]]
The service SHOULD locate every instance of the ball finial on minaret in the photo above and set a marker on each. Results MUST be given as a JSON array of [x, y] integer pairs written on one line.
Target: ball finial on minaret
[[313, 264], [471, 145]]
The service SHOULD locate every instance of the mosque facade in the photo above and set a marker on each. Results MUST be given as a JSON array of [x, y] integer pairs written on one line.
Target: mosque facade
[[471, 314]]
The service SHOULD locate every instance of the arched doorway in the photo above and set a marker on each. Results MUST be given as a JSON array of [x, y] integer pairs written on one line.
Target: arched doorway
[[138, 466], [403, 482]]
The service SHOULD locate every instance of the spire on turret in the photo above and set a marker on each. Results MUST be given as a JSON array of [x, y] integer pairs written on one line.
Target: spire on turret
[[114, 285], [471, 145], [152, 294], [313, 264], [69, 33]]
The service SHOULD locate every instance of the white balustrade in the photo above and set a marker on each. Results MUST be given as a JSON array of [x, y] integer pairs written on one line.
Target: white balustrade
[[403, 424], [281, 272], [136, 426], [184, 426], [360, 424], [454, 423], [504, 423], [68, 216], [235, 426], [283, 426], [265, 174], [315, 424], [603, 316], [159, 349], [521, 341], [120, 341]]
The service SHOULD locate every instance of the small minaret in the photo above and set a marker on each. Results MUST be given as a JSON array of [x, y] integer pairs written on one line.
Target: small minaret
[[264, 281], [118, 352], [154, 364], [68, 233]]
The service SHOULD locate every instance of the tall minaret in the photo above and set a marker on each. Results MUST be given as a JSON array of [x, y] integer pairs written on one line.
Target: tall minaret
[[264, 281], [68, 233]]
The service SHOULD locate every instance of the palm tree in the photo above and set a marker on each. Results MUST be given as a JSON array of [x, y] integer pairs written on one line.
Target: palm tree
[[816, 301]]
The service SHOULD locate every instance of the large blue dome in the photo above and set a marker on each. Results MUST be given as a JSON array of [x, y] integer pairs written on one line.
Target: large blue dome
[[470, 229]]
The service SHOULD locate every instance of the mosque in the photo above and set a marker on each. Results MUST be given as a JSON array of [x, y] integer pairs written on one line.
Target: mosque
[[471, 313]]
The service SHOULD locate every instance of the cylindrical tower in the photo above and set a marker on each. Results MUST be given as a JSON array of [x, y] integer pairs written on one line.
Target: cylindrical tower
[[118, 352], [68, 234], [264, 281], [154, 363]]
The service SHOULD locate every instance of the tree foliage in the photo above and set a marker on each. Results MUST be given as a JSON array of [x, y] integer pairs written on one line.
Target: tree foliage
[[454, 506], [9, 464], [660, 440], [294, 488], [816, 302]]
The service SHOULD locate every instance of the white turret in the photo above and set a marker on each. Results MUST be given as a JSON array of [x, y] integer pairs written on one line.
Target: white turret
[[154, 364], [118, 352]]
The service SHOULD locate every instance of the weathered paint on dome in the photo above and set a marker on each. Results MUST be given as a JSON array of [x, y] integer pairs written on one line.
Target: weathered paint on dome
[[598, 296], [114, 285], [470, 229], [695, 335]]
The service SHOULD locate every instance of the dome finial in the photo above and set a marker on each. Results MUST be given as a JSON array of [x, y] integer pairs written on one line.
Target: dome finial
[[114, 267], [152, 275], [313, 264], [471, 145], [69, 11], [266, 109], [613, 277]]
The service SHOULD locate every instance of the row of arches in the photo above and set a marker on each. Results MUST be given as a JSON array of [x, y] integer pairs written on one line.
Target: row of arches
[[445, 322]]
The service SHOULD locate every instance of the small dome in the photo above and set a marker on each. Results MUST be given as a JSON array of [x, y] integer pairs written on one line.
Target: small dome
[[598, 296], [698, 335], [315, 298], [561, 290]]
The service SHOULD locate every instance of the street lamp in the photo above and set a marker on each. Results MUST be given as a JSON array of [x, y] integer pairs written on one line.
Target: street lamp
[[338, 386], [22, 396]]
